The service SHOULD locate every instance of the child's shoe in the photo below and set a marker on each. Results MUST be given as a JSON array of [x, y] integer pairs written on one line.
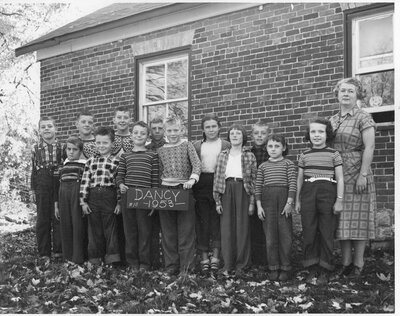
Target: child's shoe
[[312, 274], [323, 277], [345, 270], [274, 275], [214, 264], [284, 276], [205, 266]]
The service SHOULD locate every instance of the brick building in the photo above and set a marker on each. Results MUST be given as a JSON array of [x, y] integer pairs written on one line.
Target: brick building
[[244, 61]]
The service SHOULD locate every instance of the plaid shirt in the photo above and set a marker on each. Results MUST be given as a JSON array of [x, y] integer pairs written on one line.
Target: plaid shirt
[[249, 171], [99, 172], [260, 153]]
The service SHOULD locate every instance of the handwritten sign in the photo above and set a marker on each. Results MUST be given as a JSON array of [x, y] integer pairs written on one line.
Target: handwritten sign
[[158, 198]]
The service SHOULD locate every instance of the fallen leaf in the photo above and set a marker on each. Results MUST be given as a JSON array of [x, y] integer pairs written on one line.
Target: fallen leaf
[[35, 282], [306, 306], [173, 308], [336, 305], [302, 287], [382, 277], [388, 308], [226, 303]]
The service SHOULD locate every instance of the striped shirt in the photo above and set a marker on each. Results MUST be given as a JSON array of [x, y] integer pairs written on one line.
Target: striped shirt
[[139, 169], [99, 172], [71, 171], [278, 174], [320, 162]]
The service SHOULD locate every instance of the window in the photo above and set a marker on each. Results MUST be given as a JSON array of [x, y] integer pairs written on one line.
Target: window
[[370, 58], [164, 87]]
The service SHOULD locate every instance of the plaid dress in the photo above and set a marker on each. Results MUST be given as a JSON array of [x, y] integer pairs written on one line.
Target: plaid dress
[[357, 221]]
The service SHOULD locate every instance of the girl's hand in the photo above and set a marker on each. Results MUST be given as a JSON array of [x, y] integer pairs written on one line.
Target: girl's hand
[[56, 212], [32, 196], [86, 209], [251, 209], [189, 184], [219, 210], [297, 207], [287, 210], [261, 213], [338, 206], [123, 188], [117, 209], [361, 184]]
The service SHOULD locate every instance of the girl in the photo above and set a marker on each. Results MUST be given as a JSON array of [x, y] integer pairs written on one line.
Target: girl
[[233, 191], [207, 219], [319, 198], [275, 193]]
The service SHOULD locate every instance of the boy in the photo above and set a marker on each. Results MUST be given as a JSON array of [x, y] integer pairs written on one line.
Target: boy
[[138, 168], [180, 169], [67, 208], [47, 157], [84, 124], [257, 237], [157, 133], [122, 120], [98, 198]]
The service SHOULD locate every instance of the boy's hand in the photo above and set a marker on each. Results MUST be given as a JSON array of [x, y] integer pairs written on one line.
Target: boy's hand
[[151, 212], [261, 213], [287, 210], [123, 188], [219, 210], [189, 184], [251, 209], [32, 196], [56, 212], [86, 209], [338, 206], [117, 210], [297, 207]]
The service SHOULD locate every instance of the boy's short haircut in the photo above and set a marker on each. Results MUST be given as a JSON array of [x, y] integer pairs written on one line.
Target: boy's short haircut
[[105, 131], [240, 128], [260, 123], [75, 141], [84, 113], [157, 119], [122, 108], [330, 134], [171, 120], [279, 139], [142, 124], [47, 118]]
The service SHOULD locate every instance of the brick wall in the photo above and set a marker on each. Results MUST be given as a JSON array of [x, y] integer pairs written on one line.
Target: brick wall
[[279, 64]]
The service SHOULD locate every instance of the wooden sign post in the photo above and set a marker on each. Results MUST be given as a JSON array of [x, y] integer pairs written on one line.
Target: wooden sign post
[[158, 198]]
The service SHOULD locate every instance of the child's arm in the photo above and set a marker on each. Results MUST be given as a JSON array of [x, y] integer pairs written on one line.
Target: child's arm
[[258, 194], [291, 175], [32, 193], [84, 189], [300, 178], [253, 168], [338, 206], [121, 174]]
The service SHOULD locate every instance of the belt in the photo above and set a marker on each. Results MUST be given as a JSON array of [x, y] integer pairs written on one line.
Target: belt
[[234, 179], [312, 179], [103, 188]]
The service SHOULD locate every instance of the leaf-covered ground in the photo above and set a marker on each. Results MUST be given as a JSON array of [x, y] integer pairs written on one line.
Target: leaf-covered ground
[[31, 285]]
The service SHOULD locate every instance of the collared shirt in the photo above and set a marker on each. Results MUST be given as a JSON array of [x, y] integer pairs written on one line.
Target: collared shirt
[[46, 156], [260, 153], [249, 172], [153, 145], [99, 172]]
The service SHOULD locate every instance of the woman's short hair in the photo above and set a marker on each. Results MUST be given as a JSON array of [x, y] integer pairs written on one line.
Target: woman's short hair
[[279, 139], [330, 135], [360, 91], [239, 128], [210, 117], [75, 141]]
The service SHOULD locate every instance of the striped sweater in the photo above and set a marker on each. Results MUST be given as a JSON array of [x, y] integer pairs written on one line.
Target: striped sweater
[[278, 174], [70, 171], [320, 162]]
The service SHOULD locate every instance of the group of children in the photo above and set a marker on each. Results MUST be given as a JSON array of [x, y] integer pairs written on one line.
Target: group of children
[[80, 189]]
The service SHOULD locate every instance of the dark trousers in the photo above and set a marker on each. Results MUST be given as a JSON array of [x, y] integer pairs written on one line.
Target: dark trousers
[[235, 235], [207, 219], [277, 228], [138, 232], [47, 226], [103, 235], [71, 222], [257, 241], [319, 223], [178, 237]]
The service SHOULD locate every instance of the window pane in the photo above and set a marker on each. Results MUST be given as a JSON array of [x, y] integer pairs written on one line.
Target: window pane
[[179, 109], [376, 41], [156, 110], [379, 88], [177, 76], [155, 83]]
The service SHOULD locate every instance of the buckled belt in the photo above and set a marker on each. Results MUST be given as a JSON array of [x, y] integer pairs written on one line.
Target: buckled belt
[[312, 179], [234, 179]]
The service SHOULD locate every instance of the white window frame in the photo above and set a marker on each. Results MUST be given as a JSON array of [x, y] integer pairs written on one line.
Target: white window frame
[[142, 106], [358, 71]]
